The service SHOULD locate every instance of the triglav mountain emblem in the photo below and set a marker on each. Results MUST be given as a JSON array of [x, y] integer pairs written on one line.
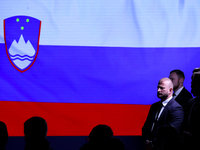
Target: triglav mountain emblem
[[21, 35]]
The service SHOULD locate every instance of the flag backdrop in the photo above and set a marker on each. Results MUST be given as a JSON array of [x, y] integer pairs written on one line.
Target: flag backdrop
[[93, 62]]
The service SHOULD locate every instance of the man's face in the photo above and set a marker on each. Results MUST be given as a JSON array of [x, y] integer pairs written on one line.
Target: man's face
[[175, 80], [163, 90], [195, 87]]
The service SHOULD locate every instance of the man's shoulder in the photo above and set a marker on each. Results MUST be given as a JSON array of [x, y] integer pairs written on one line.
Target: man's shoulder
[[175, 108], [174, 103], [186, 92], [155, 105]]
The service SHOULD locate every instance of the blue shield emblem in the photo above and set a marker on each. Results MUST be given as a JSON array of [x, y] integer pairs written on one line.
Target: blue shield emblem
[[21, 35]]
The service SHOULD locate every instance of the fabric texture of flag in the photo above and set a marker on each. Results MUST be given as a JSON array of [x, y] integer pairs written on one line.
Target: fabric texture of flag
[[97, 62]]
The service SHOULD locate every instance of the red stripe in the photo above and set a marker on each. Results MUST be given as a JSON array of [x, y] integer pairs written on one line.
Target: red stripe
[[74, 119]]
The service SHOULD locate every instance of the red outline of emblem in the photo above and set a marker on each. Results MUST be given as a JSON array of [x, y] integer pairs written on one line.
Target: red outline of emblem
[[9, 56]]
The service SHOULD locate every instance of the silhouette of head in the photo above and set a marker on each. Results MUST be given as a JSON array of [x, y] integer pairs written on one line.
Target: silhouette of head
[[100, 132], [35, 129], [195, 84], [98, 137], [3, 135]]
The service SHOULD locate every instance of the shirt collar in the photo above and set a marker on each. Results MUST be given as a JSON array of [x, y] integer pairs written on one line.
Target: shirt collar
[[179, 91], [166, 101]]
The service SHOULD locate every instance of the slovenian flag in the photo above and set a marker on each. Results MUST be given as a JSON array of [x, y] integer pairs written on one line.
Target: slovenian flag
[[78, 64]]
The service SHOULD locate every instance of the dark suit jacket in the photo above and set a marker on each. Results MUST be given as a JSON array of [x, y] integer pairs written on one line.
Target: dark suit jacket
[[183, 97], [191, 124], [171, 115], [193, 112]]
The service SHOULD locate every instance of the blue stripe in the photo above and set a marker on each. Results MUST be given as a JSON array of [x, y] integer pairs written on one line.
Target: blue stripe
[[77, 74]]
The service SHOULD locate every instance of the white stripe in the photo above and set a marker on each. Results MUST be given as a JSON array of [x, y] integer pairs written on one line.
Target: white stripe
[[124, 23]]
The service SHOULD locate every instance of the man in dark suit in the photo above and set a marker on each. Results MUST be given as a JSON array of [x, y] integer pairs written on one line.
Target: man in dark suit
[[181, 94], [191, 124], [165, 112]]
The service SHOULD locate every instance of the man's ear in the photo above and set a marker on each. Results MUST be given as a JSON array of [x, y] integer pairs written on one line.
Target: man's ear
[[181, 80], [171, 90]]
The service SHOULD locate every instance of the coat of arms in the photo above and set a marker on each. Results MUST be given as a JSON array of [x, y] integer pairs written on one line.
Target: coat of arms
[[21, 35]]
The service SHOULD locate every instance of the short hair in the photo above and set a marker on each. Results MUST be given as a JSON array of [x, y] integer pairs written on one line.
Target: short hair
[[35, 127], [196, 70], [179, 73], [100, 132]]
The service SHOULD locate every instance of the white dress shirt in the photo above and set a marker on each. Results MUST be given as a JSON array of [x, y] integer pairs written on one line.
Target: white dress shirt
[[178, 92], [164, 103]]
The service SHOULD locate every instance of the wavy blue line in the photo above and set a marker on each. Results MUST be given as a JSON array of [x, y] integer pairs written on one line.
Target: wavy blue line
[[22, 56], [22, 59]]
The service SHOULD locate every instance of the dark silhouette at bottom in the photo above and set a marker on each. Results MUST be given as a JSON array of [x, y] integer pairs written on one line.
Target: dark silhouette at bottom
[[3, 135], [168, 138], [35, 131], [101, 138]]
